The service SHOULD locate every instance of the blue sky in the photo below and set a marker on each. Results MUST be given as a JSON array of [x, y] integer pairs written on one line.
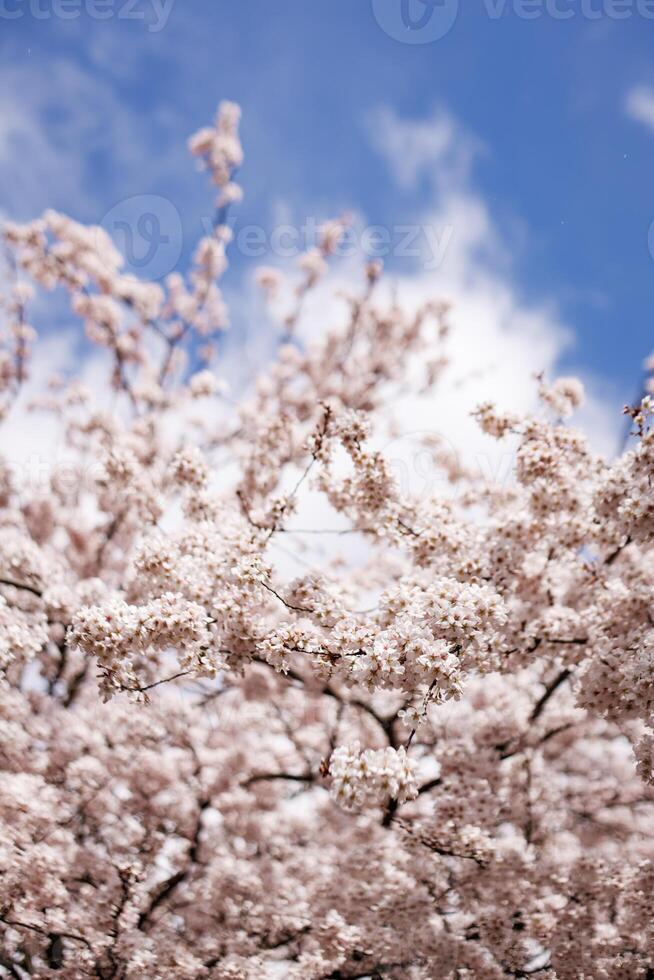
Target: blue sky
[[550, 123]]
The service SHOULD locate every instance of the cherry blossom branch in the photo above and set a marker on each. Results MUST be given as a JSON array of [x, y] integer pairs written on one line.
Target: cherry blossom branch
[[550, 690], [169, 886], [16, 924], [273, 776], [22, 585]]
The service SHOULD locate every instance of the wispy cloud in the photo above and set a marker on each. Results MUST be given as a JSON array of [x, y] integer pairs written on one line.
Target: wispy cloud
[[500, 339], [437, 148], [78, 153], [639, 105]]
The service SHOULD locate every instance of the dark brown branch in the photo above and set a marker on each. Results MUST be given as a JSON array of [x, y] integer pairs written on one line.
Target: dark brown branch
[[618, 551], [22, 585], [432, 784], [389, 813], [551, 688], [167, 887], [51, 936], [75, 685], [271, 776], [164, 680], [288, 605]]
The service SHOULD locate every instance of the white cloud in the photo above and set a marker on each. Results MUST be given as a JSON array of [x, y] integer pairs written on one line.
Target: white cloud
[[499, 340], [436, 147], [33, 442], [59, 124], [639, 105]]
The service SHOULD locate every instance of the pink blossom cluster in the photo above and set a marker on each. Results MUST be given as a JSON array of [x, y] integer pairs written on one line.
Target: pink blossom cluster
[[371, 777], [426, 751]]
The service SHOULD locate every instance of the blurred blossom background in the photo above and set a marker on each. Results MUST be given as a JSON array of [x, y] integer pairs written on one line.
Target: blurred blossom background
[[498, 154]]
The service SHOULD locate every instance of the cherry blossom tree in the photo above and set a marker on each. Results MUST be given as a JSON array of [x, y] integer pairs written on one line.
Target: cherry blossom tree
[[430, 755]]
